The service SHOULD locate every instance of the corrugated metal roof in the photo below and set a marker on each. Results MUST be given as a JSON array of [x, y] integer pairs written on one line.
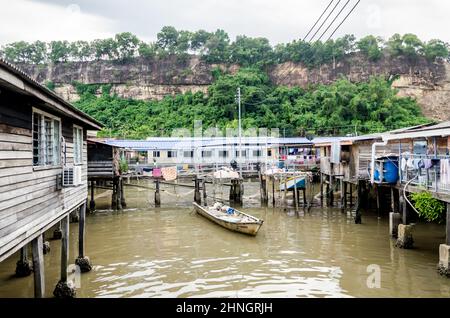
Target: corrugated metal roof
[[168, 143]]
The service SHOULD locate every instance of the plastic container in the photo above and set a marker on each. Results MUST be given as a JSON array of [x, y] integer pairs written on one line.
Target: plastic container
[[390, 171]]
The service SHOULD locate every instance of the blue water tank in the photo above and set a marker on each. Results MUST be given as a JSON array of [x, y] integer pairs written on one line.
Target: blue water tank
[[390, 171]]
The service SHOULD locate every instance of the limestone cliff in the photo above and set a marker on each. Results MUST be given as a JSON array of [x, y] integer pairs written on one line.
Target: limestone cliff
[[148, 79]]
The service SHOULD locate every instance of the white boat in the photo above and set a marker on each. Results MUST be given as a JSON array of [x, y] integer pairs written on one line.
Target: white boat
[[231, 219], [290, 183]]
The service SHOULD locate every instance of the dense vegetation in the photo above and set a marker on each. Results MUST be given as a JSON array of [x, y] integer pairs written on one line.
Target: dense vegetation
[[216, 47], [340, 108], [428, 207]]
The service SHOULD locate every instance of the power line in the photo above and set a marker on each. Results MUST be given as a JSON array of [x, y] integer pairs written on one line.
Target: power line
[[328, 16], [339, 13], [318, 20], [344, 19]]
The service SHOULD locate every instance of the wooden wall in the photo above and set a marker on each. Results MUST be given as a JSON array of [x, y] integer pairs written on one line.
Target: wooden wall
[[29, 199]]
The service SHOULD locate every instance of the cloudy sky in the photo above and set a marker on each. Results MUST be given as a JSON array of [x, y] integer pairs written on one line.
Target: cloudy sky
[[277, 20]]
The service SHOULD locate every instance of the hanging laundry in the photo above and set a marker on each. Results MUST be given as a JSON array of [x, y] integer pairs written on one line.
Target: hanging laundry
[[445, 171], [416, 164], [428, 163], [421, 164], [410, 163], [169, 174], [403, 164]]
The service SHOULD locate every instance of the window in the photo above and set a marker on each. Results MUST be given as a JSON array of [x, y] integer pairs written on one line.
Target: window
[[243, 152], [206, 153], [77, 145], [156, 154], [223, 153], [46, 140], [171, 154], [188, 154], [256, 153], [420, 147], [269, 152]]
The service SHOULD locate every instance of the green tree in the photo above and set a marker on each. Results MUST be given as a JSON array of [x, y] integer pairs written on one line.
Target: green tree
[[127, 45], [167, 39], [436, 49], [18, 52], [370, 46], [59, 51], [412, 45], [147, 50], [250, 51], [81, 51], [217, 47], [199, 39], [104, 49]]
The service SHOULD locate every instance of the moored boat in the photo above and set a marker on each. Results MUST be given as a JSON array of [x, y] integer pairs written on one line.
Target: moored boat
[[230, 218], [290, 183]]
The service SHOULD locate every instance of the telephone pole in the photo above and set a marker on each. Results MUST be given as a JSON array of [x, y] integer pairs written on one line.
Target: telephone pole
[[240, 131]]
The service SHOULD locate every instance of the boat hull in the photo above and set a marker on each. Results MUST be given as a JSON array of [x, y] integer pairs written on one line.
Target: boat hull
[[245, 228], [290, 184]]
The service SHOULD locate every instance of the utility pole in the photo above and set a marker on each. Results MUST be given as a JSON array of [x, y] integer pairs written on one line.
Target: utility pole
[[240, 131]]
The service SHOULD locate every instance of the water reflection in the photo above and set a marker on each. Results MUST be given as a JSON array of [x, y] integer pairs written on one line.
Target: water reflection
[[172, 252]]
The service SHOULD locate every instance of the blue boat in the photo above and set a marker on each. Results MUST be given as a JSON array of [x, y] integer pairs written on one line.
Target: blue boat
[[290, 183]]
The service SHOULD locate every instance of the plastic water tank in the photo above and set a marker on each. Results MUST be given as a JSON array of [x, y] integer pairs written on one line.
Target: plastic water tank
[[390, 171]]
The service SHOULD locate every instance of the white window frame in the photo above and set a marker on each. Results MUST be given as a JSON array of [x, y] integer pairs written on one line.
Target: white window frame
[[56, 146], [77, 155]]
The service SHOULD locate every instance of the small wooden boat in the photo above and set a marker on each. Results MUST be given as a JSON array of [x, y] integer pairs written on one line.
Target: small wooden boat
[[234, 220], [290, 183]]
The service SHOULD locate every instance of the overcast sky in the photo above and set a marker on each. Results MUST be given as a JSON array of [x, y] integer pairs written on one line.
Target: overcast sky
[[277, 20]]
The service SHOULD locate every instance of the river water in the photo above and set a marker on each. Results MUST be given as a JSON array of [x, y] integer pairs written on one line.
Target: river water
[[173, 252]]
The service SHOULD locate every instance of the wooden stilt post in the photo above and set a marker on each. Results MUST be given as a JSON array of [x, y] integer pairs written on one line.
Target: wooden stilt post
[[205, 203], [378, 192], [123, 203], [304, 197], [92, 203], [38, 267], [241, 191], [321, 189], [341, 186], [63, 289], [82, 261], [345, 185], [119, 193], [351, 194], [295, 193], [273, 192], [405, 217], [331, 193], [358, 219], [197, 196], [64, 248], [114, 194], [24, 267], [157, 194]]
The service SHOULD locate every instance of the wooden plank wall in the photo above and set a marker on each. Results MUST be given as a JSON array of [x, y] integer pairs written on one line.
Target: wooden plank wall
[[29, 200]]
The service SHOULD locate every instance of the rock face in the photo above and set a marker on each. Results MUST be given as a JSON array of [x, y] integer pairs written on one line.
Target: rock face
[[153, 79]]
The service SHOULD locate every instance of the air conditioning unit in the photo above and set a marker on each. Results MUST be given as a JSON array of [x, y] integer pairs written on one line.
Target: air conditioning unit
[[71, 176]]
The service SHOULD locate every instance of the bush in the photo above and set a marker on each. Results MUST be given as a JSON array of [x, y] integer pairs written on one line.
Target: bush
[[429, 208]]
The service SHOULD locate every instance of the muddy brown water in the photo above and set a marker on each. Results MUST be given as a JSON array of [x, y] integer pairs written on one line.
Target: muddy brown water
[[173, 252]]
